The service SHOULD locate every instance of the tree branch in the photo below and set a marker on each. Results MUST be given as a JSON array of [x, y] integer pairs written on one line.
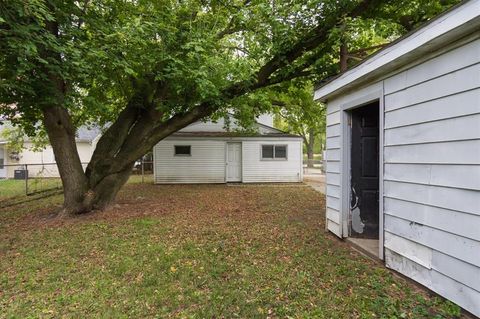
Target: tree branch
[[316, 37]]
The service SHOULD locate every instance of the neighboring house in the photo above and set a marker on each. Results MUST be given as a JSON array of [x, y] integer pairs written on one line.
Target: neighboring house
[[403, 155], [41, 163], [206, 152]]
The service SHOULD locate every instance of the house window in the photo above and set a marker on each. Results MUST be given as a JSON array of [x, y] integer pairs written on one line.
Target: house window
[[183, 150], [2, 163], [271, 152]]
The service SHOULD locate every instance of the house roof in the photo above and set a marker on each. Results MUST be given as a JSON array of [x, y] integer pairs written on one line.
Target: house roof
[[233, 134], [454, 24], [219, 130], [85, 134]]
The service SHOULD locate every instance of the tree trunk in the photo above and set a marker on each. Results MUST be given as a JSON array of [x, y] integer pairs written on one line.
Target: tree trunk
[[82, 193], [61, 134], [133, 134], [310, 145]]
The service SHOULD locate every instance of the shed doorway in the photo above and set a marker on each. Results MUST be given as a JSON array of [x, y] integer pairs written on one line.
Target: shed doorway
[[234, 162], [364, 216]]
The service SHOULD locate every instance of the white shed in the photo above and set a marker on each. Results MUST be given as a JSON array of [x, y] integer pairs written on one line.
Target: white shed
[[206, 152], [403, 155]]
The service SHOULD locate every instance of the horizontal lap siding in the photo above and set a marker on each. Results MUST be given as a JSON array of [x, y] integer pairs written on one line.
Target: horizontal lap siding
[[333, 165], [444, 285], [334, 144], [256, 170], [435, 110], [206, 165], [432, 174]]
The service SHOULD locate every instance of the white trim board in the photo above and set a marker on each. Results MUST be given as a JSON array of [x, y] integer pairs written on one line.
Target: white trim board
[[370, 94]]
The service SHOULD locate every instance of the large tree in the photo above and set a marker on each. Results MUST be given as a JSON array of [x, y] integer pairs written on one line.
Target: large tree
[[296, 112], [149, 68]]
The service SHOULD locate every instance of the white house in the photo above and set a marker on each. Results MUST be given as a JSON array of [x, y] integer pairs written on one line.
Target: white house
[[206, 152], [41, 163], [403, 155]]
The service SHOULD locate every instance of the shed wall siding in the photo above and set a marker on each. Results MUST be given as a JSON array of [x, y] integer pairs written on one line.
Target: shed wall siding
[[333, 168], [256, 170], [206, 165], [431, 188], [207, 162], [432, 174], [334, 143]]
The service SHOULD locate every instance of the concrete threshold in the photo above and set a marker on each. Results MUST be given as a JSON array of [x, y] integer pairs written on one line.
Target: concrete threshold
[[367, 246]]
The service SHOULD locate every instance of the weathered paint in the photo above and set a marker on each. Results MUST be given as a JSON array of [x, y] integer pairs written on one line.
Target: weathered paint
[[207, 163], [256, 170], [431, 166]]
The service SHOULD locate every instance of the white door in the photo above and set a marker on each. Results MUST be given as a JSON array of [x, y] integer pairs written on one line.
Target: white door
[[3, 170], [234, 162]]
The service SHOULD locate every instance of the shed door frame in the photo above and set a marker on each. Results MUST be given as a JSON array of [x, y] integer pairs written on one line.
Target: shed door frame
[[240, 162], [370, 95]]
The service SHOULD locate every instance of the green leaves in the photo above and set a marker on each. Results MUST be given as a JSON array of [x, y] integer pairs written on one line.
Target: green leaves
[[87, 56]]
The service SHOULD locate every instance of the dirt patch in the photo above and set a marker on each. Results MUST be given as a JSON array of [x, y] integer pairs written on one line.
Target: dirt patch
[[143, 200], [195, 251]]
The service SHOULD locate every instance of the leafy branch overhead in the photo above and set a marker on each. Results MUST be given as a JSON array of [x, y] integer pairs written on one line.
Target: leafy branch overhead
[[150, 68]]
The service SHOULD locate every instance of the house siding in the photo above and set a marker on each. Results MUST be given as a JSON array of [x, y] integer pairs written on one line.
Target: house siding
[[256, 170], [42, 163], [333, 164], [431, 178], [205, 165], [432, 174]]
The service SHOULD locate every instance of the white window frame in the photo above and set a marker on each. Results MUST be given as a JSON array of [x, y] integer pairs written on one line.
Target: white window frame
[[274, 158]]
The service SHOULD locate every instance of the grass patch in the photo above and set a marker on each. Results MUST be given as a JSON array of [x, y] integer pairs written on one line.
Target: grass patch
[[14, 188], [197, 251]]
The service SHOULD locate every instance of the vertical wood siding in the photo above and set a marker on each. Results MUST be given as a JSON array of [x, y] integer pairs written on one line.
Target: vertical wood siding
[[432, 174]]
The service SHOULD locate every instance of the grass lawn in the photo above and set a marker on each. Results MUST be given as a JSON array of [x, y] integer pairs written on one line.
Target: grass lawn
[[199, 251], [16, 188]]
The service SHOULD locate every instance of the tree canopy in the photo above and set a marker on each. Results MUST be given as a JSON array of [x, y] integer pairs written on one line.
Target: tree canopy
[[149, 68]]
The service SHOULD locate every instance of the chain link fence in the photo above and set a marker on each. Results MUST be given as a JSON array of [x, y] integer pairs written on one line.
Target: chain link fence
[[26, 182]]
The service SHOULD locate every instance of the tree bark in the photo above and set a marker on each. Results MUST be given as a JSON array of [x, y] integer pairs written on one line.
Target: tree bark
[[61, 134], [140, 125], [310, 146]]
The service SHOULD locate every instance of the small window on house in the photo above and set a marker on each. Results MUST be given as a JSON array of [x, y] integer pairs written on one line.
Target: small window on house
[[267, 151], [2, 163], [270, 152], [281, 151], [183, 150]]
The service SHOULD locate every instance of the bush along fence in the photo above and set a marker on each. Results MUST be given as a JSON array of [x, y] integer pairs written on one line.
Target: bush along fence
[[21, 183]]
